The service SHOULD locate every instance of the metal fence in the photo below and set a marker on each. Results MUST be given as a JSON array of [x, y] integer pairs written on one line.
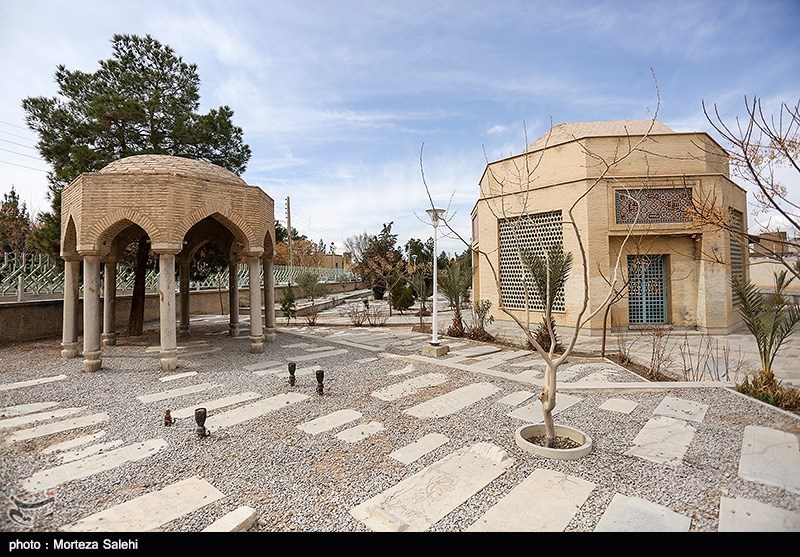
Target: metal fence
[[34, 276]]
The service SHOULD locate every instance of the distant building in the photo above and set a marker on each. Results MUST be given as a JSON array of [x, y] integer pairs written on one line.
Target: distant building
[[679, 272]]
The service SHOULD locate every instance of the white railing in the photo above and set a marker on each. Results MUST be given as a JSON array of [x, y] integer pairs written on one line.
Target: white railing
[[33, 276]]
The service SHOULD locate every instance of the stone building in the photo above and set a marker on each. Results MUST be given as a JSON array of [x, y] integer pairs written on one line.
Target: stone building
[[180, 204], [631, 186]]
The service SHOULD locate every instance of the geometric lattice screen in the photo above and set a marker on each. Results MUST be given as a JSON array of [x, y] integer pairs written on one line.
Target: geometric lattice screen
[[737, 253], [653, 205], [533, 234], [647, 289]]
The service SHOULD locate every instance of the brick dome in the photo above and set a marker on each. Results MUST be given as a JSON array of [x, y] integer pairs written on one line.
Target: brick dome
[[174, 166]]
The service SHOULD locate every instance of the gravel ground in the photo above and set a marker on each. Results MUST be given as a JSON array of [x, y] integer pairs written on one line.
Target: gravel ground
[[298, 482]]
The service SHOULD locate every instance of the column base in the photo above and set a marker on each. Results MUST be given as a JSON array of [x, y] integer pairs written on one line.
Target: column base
[[109, 339], [270, 335], [234, 329], [69, 350], [92, 361], [256, 345], [435, 350], [169, 360], [183, 332]]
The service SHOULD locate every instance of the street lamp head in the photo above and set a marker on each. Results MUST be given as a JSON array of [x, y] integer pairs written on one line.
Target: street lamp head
[[436, 215]]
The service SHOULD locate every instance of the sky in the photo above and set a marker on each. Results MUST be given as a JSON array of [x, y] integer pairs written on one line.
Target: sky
[[348, 104]]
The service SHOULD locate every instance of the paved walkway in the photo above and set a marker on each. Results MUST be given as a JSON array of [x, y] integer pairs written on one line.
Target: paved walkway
[[688, 355]]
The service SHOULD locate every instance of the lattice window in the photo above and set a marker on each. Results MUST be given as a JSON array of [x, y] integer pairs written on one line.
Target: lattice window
[[475, 230], [737, 251], [653, 205], [647, 290], [534, 233]]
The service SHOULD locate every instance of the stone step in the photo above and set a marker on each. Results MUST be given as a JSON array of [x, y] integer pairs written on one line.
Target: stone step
[[28, 419], [419, 448], [31, 382], [21, 409], [174, 393], [329, 421], [634, 514], [254, 410], [452, 402], [57, 427], [188, 411]]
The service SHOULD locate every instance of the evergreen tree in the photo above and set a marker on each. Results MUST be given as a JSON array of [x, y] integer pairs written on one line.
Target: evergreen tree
[[15, 223]]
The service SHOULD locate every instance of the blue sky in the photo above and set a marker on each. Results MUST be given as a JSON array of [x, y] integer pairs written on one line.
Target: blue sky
[[337, 97]]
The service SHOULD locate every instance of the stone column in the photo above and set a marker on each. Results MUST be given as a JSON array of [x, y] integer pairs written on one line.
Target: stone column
[[256, 329], [269, 303], [91, 313], [166, 295], [109, 335], [233, 297], [69, 339], [184, 274]]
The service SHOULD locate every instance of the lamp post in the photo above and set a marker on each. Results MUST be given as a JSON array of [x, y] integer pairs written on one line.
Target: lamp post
[[435, 215]]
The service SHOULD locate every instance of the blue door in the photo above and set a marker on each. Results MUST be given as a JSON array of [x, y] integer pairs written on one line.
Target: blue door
[[647, 290]]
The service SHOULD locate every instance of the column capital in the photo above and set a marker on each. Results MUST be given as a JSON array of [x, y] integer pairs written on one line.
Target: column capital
[[254, 251], [88, 249], [166, 248]]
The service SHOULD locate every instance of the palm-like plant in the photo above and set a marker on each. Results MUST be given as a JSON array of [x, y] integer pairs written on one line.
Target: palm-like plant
[[770, 319]]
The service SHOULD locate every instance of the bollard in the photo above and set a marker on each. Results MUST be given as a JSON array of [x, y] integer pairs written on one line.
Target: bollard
[[292, 368], [320, 376], [200, 417]]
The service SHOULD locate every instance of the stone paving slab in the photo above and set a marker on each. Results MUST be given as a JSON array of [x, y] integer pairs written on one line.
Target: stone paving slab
[[318, 349], [663, 440], [238, 520], [88, 451], [254, 410], [298, 345], [174, 376], [452, 402], [421, 500], [31, 382], [28, 419], [79, 469], [329, 421], [318, 355], [174, 393], [681, 409], [57, 427], [532, 413], [264, 365], [152, 510], [515, 398], [634, 514], [409, 386], [366, 360], [188, 411], [545, 501], [20, 409], [72, 443], [749, 515], [419, 448], [620, 405], [360, 432], [404, 371], [476, 351], [770, 456]]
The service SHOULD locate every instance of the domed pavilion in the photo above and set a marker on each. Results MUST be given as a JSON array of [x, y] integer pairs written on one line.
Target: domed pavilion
[[180, 204]]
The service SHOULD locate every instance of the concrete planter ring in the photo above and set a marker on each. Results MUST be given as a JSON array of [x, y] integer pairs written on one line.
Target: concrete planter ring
[[529, 431]]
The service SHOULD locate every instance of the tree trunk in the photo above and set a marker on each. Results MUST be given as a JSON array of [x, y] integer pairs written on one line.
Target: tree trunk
[[136, 318], [548, 398], [605, 329]]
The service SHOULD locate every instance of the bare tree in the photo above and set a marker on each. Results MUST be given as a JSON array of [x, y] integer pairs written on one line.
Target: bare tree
[[764, 151], [543, 272]]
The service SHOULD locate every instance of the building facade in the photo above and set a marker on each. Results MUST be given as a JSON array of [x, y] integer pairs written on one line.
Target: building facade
[[628, 190]]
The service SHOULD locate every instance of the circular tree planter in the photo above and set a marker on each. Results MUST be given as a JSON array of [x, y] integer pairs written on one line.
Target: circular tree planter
[[529, 431]]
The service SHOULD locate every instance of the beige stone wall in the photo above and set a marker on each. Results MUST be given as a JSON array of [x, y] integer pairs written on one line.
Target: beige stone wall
[[698, 275]]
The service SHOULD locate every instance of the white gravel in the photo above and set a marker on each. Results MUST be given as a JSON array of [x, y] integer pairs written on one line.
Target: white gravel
[[301, 482]]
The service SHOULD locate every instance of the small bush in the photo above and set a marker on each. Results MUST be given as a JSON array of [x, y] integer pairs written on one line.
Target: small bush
[[402, 298], [288, 306], [771, 391]]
